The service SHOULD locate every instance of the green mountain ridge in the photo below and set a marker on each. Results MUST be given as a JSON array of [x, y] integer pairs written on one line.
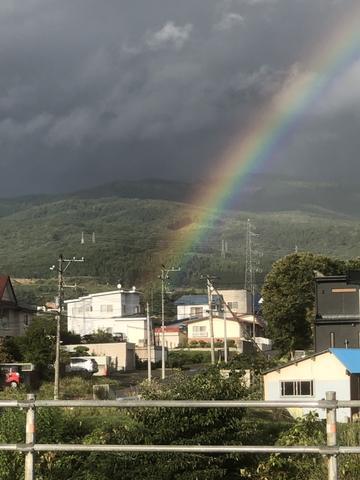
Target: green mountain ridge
[[261, 193], [135, 236]]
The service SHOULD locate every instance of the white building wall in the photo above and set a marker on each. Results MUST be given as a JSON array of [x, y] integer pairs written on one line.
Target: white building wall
[[133, 330], [240, 300], [327, 374], [100, 311], [188, 311], [233, 329]]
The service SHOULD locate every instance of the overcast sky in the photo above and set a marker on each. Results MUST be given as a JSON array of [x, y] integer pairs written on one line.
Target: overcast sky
[[92, 91]]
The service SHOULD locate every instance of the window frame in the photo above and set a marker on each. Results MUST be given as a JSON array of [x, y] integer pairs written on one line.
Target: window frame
[[202, 328], [296, 388]]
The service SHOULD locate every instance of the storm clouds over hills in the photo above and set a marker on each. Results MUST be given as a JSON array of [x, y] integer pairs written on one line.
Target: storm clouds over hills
[[96, 91]]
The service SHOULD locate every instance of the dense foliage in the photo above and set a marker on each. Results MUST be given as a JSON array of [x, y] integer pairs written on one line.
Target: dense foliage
[[178, 426], [288, 298]]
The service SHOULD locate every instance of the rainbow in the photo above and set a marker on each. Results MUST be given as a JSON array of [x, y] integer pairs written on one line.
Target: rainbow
[[275, 123]]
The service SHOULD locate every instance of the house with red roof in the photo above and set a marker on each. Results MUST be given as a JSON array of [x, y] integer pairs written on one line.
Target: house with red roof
[[14, 317]]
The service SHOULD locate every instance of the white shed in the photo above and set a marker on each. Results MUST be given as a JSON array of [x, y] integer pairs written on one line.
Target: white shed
[[309, 378]]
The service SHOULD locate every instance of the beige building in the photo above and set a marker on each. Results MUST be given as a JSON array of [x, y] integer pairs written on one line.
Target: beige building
[[309, 378], [174, 337], [14, 317], [240, 301], [155, 353], [122, 354]]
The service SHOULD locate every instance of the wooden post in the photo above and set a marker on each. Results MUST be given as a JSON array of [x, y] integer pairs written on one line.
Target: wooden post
[[331, 437], [30, 439]]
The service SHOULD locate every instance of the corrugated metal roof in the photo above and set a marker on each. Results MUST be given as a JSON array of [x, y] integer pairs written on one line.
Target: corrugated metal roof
[[349, 357]]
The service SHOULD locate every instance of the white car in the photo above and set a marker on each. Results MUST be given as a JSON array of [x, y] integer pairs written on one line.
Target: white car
[[78, 364]]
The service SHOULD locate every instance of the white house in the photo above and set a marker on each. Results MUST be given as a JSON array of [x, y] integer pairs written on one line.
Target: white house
[[116, 312], [197, 306], [239, 328], [309, 378], [14, 317]]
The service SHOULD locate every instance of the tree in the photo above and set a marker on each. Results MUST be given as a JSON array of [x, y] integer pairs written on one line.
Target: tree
[[289, 296], [307, 430], [8, 350], [38, 344]]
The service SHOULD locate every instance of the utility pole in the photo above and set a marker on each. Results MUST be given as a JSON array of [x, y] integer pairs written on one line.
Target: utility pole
[[248, 258], [225, 337], [163, 277], [224, 247], [212, 343], [60, 270], [148, 330]]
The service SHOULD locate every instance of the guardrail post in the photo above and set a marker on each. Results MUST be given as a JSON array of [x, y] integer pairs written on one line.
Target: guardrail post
[[331, 436], [30, 438]]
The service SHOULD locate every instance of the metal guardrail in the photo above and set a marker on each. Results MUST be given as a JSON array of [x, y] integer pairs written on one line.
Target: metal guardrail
[[331, 449]]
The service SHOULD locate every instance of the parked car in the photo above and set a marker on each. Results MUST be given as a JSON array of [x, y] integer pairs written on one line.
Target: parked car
[[83, 365]]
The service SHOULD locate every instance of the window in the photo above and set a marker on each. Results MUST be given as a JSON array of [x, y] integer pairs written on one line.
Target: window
[[106, 308], [4, 319], [296, 388], [199, 331], [78, 310], [233, 305], [26, 319], [196, 311]]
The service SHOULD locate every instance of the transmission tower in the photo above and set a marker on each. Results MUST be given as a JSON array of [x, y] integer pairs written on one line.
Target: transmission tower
[[249, 270], [251, 267]]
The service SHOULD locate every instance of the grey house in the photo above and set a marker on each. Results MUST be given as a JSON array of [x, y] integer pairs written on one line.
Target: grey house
[[14, 317]]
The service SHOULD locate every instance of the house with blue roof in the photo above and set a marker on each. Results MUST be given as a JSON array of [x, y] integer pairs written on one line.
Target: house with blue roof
[[310, 377]]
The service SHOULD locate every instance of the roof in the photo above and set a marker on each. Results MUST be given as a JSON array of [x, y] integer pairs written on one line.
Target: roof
[[196, 300], [349, 357], [101, 294], [4, 283], [168, 329]]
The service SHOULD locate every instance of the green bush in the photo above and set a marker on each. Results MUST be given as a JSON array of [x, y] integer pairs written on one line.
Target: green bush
[[182, 358]]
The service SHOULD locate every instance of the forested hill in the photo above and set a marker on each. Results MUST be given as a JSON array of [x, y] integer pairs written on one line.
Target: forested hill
[[134, 236], [260, 193]]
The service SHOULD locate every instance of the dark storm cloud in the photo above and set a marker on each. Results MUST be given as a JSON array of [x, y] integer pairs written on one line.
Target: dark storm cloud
[[91, 91]]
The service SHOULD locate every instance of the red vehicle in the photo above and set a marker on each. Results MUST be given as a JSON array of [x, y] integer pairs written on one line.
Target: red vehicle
[[11, 376]]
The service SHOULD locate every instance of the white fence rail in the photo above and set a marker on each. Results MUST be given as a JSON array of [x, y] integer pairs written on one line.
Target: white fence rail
[[331, 449]]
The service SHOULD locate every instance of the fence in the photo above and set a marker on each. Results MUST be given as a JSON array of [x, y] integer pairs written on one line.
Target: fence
[[331, 449]]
